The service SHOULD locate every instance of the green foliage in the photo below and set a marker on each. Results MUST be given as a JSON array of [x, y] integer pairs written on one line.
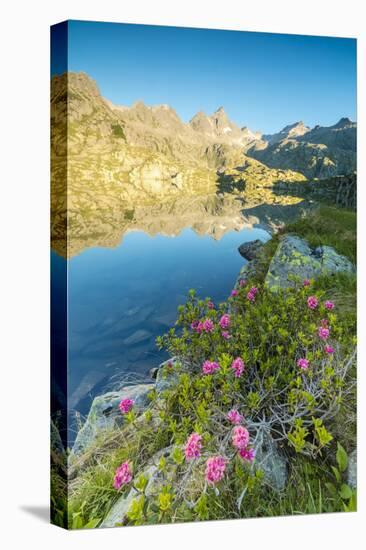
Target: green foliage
[[118, 131]]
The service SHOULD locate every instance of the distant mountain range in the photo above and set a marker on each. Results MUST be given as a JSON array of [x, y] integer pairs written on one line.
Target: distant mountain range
[[211, 141]]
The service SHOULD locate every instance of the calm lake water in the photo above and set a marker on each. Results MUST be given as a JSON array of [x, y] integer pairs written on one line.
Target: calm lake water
[[120, 299]]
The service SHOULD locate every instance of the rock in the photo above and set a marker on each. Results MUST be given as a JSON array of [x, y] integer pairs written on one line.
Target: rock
[[156, 480], [104, 414], [250, 250], [294, 258], [166, 376], [352, 469], [270, 461]]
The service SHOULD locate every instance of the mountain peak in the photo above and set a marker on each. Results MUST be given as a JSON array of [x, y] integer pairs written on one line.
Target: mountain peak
[[343, 122]]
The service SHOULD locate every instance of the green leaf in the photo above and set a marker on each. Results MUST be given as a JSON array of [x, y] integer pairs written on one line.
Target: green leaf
[[345, 492], [342, 458], [336, 473]]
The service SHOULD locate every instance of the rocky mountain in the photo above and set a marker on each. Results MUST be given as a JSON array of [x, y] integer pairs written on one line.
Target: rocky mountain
[[321, 152]]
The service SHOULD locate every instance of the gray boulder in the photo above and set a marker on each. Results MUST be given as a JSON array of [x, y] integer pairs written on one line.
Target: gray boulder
[[269, 459], [104, 414], [294, 258], [250, 250], [166, 376]]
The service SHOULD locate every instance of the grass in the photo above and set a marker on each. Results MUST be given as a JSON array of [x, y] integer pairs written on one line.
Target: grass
[[330, 226]]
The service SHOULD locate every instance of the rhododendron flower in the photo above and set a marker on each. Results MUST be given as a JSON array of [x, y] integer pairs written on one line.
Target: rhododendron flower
[[234, 416], [225, 334], [323, 333], [252, 293], [194, 325], [303, 363], [312, 302], [329, 305], [234, 292], [208, 325], [215, 469], [329, 349], [125, 405], [193, 446], [211, 305], [225, 321], [238, 366], [306, 282], [242, 282], [247, 454], [240, 437], [209, 367], [123, 475]]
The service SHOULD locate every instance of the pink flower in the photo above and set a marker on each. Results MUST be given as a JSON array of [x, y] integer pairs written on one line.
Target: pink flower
[[125, 405], [209, 367], [306, 282], [193, 446], [123, 475], [238, 366], [303, 363], [225, 334], [211, 305], [194, 325], [208, 325], [240, 437], [225, 321], [329, 349], [247, 454], [329, 305], [312, 302], [169, 365], [234, 416], [242, 282], [252, 294], [323, 333], [215, 469], [234, 292]]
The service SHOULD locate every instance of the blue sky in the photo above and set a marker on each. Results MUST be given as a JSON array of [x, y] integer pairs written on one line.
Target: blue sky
[[264, 81]]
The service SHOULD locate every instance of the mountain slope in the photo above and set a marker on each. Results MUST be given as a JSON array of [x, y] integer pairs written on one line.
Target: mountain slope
[[320, 152]]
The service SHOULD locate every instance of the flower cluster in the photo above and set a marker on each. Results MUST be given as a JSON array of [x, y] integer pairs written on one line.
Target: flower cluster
[[193, 446], [329, 349], [306, 282], [323, 332], [209, 367], [240, 437], [329, 305], [238, 367], [312, 302], [234, 292], [225, 321], [234, 416], [126, 405], [303, 363], [215, 469], [123, 475], [252, 294]]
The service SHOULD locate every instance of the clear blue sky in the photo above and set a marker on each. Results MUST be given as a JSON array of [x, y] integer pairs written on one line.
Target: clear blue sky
[[264, 81]]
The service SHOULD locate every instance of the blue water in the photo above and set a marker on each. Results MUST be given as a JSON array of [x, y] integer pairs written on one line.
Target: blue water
[[120, 299]]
